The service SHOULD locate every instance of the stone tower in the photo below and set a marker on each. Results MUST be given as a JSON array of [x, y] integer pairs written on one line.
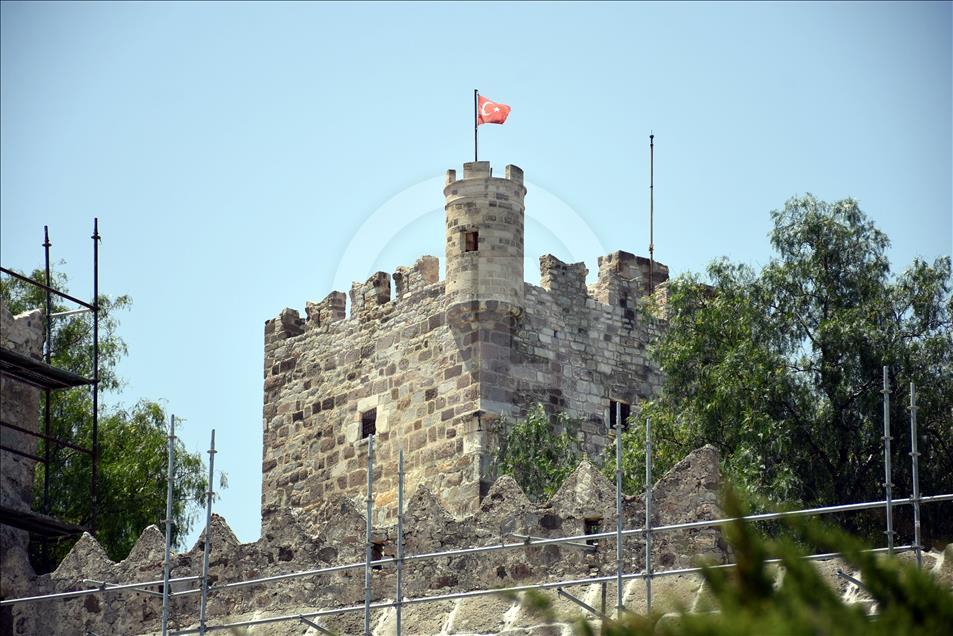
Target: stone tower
[[484, 242], [434, 367]]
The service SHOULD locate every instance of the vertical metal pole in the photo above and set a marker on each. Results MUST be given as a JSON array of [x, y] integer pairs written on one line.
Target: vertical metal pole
[[94, 503], [47, 397], [168, 529], [400, 535], [208, 527], [47, 357], [651, 213], [604, 586], [888, 485], [476, 121], [618, 506], [368, 552], [648, 515], [915, 461]]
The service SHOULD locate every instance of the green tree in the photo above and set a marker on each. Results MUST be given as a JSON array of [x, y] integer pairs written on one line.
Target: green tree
[[781, 368], [133, 443], [539, 451]]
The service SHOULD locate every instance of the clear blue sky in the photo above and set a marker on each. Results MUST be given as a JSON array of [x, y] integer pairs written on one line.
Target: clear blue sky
[[244, 157]]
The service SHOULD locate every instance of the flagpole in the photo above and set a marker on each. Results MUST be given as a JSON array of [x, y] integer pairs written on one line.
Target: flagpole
[[476, 108], [651, 213]]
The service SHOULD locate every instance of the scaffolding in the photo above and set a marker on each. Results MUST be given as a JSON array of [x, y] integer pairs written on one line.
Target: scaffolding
[[43, 375], [646, 532]]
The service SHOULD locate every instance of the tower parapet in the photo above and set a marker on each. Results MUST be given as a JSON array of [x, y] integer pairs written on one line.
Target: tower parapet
[[484, 235]]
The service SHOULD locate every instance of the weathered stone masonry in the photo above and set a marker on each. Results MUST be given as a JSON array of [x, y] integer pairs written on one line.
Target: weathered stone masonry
[[20, 405], [422, 365]]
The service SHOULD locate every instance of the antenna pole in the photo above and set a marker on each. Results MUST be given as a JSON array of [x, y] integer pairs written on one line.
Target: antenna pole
[[476, 121], [651, 213]]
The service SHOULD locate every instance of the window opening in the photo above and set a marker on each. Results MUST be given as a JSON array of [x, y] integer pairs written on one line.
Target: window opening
[[369, 423], [471, 241], [592, 526], [377, 553], [624, 410]]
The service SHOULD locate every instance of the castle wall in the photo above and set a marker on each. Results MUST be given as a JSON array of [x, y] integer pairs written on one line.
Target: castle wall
[[333, 534], [426, 363], [574, 349], [440, 364], [20, 406], [400, 358]]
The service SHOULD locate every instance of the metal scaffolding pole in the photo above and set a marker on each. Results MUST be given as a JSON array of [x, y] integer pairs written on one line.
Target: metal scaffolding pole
[[94, 504], [648, 515], [618, 507], [552, 585], [168, 529], [888, 484], [48, 358], [915, 462], [113, 587], [369, 548], [400, 537], [770, 516], [210, 493]]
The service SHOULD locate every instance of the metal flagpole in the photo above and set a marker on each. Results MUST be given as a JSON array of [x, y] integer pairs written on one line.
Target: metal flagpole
[[915, 461], [368, 551], [648, 515], [618, 507], [888, 485], [95, 446], [476, 121], [168, 529], [208, 527], [48, 358], [400, 535], [651, 213]]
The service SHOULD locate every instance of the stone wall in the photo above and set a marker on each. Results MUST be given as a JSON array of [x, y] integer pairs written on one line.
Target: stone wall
[[398, 358], [425, 364], [19, 405], [334, 532]]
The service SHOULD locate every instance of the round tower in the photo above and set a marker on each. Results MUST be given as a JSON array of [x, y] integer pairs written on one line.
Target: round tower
[[484, 221]]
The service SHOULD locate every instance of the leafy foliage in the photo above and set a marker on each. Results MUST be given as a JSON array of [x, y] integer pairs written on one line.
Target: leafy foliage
[[539, 452], [781, 368], [909, 600], [133, 443]]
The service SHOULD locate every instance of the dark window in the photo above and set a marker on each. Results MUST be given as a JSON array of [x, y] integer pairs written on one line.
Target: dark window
[[471, 241], [368, 423], [592, 526], [617, 410], [377, 553]]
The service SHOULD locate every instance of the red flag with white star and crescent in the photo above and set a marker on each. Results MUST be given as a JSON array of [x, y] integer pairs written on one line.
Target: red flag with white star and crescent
[[491, 112]]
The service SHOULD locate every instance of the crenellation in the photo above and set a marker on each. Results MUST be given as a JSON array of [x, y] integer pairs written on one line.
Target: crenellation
[[566, 281], [366, 297], [333, 308], [410, 280]]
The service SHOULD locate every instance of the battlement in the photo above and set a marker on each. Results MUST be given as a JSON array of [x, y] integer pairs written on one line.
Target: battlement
[[483, 170], [623, 278]]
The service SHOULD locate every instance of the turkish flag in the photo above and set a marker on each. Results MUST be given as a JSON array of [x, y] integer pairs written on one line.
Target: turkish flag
[[491, 112]]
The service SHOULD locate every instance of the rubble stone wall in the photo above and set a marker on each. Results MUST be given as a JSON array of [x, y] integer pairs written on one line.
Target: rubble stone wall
[[19, 405], [333, 534]]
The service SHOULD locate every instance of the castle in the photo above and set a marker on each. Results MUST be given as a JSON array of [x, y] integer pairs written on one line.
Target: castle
[[433, 369]]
